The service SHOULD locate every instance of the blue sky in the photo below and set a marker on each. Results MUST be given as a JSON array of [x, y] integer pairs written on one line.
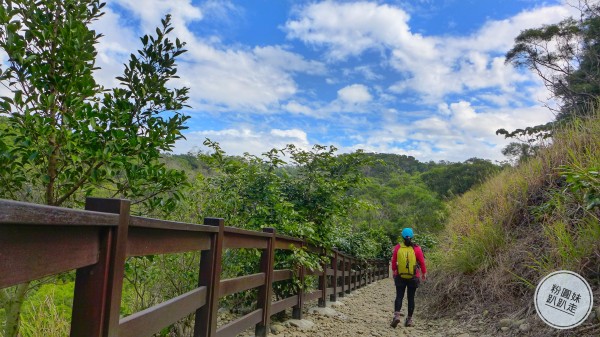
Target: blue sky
[[425, 78]]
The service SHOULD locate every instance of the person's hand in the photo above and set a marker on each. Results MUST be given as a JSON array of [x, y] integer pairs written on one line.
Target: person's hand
[[424, 277]]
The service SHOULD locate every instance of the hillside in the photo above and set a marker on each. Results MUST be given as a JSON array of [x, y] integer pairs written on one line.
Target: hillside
[[505, 235], [399, 191]]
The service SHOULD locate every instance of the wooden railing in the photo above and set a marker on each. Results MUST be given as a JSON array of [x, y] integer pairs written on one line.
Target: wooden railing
[[38, 241]]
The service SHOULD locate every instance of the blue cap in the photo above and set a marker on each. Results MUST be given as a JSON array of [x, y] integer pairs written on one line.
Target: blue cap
[[407, 233]]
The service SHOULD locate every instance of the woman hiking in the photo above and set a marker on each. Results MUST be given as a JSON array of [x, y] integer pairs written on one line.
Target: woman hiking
[[408, 266]]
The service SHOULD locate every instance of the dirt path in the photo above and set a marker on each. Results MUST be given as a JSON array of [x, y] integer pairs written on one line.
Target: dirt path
[[368, 312]]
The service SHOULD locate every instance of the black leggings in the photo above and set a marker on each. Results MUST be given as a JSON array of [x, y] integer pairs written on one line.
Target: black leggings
[[401, 285]]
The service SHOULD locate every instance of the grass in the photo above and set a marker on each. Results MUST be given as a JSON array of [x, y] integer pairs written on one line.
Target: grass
[[505, 235], [48, 311]]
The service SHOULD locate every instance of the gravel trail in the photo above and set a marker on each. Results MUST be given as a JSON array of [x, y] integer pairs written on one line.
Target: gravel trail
[[368, 312]]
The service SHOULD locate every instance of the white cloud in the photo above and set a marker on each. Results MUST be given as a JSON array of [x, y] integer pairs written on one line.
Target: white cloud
[[432, 66], [240, 140], [118, 42], [262, 79], [366, 71], [282, 59], [221, 78], [237, 79], [498, 35], [459, 133], [355, 94], [4, 91], [349, 28], [298, 109], [152, 11]]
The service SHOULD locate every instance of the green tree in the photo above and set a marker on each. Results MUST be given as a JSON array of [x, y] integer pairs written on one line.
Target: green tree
[[321, 187], [307, 195], [390, 163], [68, 134], [401, 200], [247, 191], [566, 56], [518, 152], [452, 179]]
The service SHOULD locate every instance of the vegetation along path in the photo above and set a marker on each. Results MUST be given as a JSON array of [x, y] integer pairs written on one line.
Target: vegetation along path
[[368, 312]]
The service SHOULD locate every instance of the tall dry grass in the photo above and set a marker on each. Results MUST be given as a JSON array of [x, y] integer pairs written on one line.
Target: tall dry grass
[[505, 235]]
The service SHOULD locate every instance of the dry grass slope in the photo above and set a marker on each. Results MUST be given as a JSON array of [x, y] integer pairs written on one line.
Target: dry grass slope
[[508, 233]]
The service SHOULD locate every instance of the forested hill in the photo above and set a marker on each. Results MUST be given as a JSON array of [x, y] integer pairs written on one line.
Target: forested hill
[[399, 190], [445, 178], [389, 163]]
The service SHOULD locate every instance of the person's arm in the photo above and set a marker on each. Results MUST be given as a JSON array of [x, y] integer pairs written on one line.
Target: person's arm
[[394, 263], [421, 261]]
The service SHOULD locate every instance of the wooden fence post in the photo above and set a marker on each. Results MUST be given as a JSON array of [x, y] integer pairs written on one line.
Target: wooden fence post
[[323, 282], [343, 278], [359, 274], [375, 265], [365, 273], [299, 307], [387, 269], [375, 270], [334, 264], [265, 291], [348, 268], [349, 289], [98, 288], [210, 277]]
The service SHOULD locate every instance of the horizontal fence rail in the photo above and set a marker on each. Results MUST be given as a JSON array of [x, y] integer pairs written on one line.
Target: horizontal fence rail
[[38, 241]]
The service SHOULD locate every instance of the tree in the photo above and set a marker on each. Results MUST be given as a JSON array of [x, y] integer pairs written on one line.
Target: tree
[[321, 185], [454, 179], [566, 56], [519, 152], [69, 135], [400, 200], [307, 197]]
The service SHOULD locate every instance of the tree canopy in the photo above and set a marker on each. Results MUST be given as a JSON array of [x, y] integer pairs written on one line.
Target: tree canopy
[[66, 132], [566, 56], [64, 135]]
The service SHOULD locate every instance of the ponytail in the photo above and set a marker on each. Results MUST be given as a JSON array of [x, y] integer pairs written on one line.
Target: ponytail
[[408, 242]]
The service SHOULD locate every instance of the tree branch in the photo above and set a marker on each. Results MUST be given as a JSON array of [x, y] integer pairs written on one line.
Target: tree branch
[[84, 177]]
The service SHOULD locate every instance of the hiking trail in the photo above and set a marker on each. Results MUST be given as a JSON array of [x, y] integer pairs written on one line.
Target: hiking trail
[[368, 312]]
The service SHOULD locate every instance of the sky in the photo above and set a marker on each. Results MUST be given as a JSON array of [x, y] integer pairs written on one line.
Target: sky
[[424, 78]]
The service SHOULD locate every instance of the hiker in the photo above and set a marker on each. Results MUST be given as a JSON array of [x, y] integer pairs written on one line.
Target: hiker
[[408, 266]]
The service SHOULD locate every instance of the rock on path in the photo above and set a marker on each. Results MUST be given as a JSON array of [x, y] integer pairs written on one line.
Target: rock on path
[[368, 312]]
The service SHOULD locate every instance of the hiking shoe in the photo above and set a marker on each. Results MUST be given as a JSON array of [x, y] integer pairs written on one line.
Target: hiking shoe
[[408, 321], [395, 321]]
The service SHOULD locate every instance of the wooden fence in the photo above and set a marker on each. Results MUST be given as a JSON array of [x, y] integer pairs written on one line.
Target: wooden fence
[[37, 241]]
